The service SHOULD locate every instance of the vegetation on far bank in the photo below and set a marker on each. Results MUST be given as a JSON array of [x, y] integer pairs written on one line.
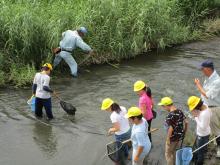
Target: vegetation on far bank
[[118, 29]]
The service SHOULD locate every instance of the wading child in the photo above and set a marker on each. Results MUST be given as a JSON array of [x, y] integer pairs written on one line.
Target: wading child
[[202, 115], [176, 126], [121, 127], [42, 92], [139, 136], [145, 102]]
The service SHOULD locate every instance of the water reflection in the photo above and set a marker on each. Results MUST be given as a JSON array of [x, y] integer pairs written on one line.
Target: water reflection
[[45, 138]]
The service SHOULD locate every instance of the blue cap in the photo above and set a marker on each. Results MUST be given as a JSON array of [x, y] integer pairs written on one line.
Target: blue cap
[[207, 64], [83, 30]]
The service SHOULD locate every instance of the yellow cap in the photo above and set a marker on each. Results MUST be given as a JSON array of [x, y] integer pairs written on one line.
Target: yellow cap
[[139, 85], [166, 101], [106, 103], [193, 101], [133, 111], [48, 65]]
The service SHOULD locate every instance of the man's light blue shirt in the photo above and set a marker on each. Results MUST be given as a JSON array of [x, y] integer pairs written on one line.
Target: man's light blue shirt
[[71, 40], [212, 87]]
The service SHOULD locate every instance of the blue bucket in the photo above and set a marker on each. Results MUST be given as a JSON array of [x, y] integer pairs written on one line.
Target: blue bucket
[[31, 103], [184, 156]]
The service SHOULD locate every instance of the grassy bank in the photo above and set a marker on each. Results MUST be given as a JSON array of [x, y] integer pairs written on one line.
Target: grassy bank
[[118, 29]]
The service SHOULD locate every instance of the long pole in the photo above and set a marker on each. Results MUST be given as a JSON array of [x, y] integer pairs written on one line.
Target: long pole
[[206, 144], [153, 130]]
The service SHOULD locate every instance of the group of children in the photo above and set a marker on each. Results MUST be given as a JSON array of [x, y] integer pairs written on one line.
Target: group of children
[[140, 117], [176, 123], [205, 111]]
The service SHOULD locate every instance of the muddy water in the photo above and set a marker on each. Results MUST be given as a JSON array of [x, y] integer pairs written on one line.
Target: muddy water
[[77, 141]]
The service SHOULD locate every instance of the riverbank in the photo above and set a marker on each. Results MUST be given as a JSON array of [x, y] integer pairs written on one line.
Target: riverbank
[[117, 30]]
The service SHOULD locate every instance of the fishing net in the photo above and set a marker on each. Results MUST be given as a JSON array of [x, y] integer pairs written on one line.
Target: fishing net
[[68, 108], [184, 156], [115, 152]]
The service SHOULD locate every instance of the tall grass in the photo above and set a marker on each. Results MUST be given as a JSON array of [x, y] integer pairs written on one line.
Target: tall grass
[[21, 75], [117, 28], [193, 12]]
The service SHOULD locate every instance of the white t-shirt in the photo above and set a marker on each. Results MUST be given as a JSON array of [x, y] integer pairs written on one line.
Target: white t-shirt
[[203, 122], [123, 122], [41, 80]]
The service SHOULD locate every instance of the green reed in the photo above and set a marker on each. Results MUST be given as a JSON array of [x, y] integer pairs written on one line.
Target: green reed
[[118, 29]]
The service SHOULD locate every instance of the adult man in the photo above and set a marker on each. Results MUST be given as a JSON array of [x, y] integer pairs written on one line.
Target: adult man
[[176, 125], [210, 93], [70, 41]]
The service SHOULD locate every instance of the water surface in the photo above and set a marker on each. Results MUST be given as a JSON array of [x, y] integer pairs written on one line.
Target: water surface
[[70, 141]]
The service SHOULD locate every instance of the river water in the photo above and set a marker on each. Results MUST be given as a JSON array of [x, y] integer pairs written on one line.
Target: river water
[[77, 141]]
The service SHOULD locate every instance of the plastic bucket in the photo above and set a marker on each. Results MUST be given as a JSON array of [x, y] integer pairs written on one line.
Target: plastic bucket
[[31, 103]]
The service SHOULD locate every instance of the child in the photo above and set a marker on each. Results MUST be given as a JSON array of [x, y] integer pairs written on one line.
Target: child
[[121, 127], [202, 115], [145, 102], [139, 136], [176, 127], [42, 92]]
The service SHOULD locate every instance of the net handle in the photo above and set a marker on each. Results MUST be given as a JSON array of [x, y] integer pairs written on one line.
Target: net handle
[[206, 144], [127, 141], [88, 56], [29, 100], [151, 131], [58, 97]]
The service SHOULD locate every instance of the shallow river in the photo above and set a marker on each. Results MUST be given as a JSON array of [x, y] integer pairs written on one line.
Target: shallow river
[[69, 141]]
